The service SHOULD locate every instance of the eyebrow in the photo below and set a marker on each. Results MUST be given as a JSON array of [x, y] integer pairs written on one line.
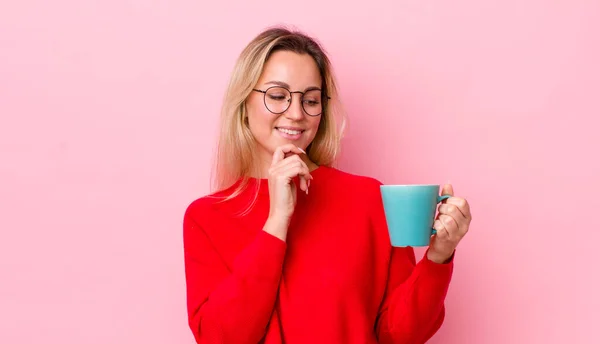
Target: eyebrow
[[286, 85]]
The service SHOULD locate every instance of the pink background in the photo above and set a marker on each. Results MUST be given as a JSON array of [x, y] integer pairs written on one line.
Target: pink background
[[108, 122]]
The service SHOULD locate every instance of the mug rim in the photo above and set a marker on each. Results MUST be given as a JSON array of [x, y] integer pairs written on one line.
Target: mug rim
[[408, 185]]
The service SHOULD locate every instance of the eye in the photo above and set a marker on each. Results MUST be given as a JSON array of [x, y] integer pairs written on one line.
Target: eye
[[278, 97], [312, 98]]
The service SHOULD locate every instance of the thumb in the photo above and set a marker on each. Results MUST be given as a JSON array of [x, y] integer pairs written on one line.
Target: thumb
[[448, 190]]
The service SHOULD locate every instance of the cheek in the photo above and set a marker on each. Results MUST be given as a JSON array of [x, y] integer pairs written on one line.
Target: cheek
[[260, 120], [314, 125]]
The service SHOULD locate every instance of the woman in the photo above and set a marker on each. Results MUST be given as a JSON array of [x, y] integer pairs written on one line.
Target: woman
[[290, 249]]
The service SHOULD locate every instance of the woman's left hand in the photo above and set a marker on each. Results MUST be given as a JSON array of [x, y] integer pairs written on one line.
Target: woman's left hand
[[451, 224]]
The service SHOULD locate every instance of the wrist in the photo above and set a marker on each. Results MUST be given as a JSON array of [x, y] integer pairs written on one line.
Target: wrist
[[439, 257], [278, 220], [277, 226]]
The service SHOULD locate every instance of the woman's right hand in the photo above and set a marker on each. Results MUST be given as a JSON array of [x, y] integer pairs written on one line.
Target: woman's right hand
[[282, 189]]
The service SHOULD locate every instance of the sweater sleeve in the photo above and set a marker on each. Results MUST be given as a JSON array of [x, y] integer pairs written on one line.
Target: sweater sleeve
[[413, 308], [230, 305]]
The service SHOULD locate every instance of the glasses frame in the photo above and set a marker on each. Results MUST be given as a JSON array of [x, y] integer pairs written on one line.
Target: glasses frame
[[323, 95]]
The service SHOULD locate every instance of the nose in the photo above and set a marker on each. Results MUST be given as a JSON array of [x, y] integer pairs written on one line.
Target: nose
[[295, 111]]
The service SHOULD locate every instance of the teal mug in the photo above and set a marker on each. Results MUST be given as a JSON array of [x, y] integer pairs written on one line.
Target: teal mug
[[409, 212]]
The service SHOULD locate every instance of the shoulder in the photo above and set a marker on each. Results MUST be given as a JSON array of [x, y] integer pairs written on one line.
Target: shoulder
[[200, 206], [344, 182], [362, 182], [205, 208]]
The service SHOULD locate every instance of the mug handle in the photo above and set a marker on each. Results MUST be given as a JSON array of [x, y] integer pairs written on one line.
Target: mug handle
[[439, 199]]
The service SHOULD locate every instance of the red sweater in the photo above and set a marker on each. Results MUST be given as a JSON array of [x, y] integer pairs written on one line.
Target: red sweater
[[335, 280]]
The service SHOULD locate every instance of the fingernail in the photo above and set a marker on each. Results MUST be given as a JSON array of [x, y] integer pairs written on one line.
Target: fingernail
[[302, 150], [307, 191], [309, 182]]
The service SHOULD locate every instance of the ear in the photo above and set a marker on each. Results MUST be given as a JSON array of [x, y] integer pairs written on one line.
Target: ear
[[244, 113]]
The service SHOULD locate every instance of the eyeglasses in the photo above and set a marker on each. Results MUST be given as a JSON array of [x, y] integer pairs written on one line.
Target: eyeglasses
[[278, 99]]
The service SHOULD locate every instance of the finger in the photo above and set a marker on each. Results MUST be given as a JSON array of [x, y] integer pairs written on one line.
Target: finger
[[281, 151], [450, 224], [441, 232], [291, 161], [277, 156], [303, 178], [303, 184], [302, 169], [297, 169], [292, 168], [451, 210], [290, 158], [447, 190], [462, 205]]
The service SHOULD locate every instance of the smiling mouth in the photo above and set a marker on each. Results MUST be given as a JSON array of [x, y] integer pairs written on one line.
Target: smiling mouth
[[290, 131]]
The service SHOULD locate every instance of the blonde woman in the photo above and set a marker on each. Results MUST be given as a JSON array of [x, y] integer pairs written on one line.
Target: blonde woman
[[289, 249]]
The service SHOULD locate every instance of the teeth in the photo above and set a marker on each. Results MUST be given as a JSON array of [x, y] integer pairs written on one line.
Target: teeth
[[288, 131]]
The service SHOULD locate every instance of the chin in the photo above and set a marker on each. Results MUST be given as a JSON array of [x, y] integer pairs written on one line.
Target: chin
[[276, 141]]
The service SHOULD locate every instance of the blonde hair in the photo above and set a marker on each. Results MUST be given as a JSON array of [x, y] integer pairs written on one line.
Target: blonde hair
[[236, 154]]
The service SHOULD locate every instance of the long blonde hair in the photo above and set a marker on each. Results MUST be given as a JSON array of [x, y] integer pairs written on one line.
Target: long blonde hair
[[236, 155]]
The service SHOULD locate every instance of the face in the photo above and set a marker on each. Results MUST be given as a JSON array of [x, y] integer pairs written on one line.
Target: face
[[296, 73]]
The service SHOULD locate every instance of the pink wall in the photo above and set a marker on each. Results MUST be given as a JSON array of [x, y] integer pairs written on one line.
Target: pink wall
[[108, 118]]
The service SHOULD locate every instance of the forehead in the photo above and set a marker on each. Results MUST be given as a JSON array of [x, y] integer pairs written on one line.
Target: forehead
[[297, 70]]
